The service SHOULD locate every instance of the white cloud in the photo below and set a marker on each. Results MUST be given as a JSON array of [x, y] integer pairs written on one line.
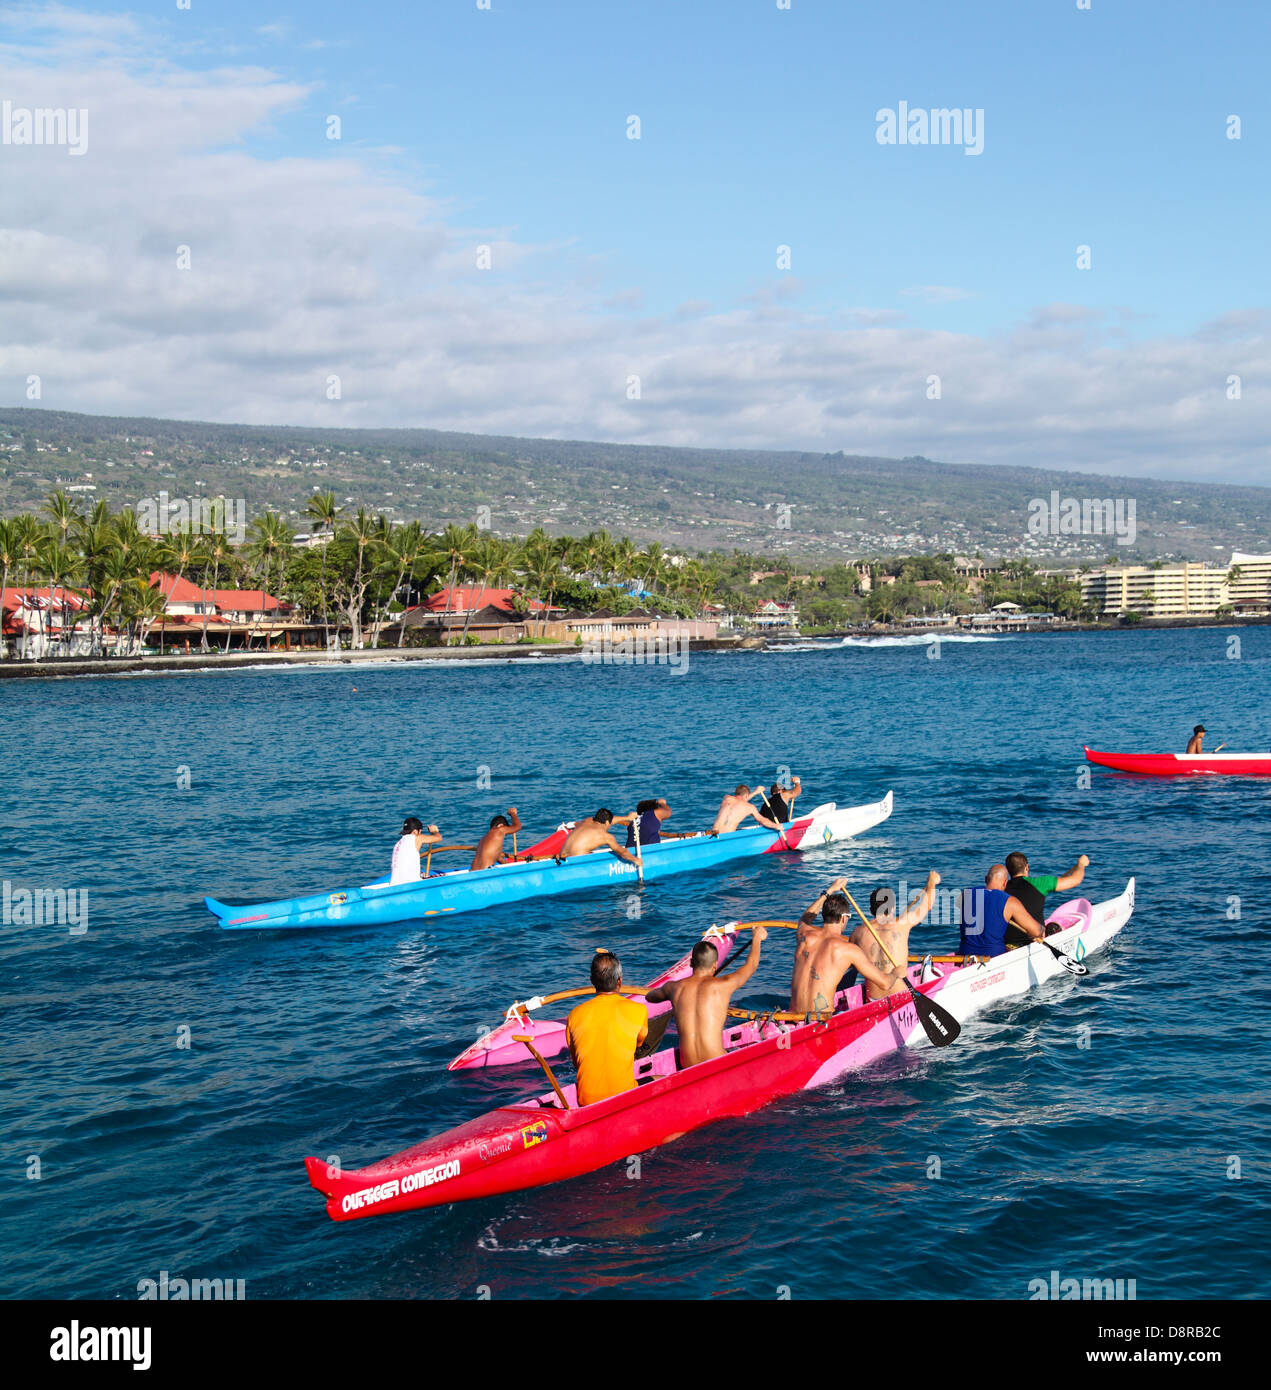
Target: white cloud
[[330, 262], [937, 294]]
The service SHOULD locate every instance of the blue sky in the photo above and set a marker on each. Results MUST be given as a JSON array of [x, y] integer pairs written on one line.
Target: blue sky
[[507, 127]]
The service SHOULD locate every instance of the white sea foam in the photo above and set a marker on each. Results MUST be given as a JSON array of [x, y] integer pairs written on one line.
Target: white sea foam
[[909, 639]]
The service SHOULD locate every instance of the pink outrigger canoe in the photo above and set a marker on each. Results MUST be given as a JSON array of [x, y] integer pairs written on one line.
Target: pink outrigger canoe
[[499, 1047], [537, 1141]]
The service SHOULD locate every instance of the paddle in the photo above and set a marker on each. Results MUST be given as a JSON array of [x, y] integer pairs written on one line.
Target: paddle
[[1073, 967], [780, 831], [635, 829], [938, 1023], [542, 1061], [657, 1031]]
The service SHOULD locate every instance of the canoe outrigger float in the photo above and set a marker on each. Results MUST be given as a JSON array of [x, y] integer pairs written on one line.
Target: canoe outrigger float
[[1174, 764], [549, 1137], [465, 890]]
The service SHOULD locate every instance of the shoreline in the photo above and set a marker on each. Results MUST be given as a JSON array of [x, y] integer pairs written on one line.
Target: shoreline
[[207, 663], [203, 663]]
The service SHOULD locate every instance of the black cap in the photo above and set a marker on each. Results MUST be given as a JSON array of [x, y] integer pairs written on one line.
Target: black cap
[[1200, 729]]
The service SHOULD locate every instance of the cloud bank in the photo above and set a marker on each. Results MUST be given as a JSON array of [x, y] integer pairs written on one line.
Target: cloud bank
[[338, 265]]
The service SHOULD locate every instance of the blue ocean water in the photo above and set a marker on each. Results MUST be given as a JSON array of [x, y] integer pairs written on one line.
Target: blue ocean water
[[1095, 1127]]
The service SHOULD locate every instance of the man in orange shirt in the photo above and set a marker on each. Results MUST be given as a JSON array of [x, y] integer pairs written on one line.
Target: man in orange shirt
[[603, 1034]]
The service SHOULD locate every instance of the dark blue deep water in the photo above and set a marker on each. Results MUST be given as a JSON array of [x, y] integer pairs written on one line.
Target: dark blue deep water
[[1112, 1160]]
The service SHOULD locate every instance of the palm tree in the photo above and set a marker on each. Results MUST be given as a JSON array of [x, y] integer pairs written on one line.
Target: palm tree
[[401, 552], [456, 545], [654, 559], [63, 565], [215, 548], [322, 508], [485, 560], [364, 533], [8, 558]]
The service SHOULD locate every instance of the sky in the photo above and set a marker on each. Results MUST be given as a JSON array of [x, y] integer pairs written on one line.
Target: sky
[[484, 247]]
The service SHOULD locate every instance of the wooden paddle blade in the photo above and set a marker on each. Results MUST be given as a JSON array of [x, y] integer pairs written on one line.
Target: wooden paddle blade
[[937, 1022]]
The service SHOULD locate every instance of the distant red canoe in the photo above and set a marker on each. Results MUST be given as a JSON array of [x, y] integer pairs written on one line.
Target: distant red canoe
[[1176, 764]]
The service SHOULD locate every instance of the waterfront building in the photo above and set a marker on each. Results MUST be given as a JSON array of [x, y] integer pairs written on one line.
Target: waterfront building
[[1187, 590], [1249, 583]]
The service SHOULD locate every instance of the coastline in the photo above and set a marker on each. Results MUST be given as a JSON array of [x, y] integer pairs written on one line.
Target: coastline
[[206, 663], [196, 663]]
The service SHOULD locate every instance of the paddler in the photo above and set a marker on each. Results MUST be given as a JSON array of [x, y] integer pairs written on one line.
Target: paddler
[[700, 1002], [735, 808], [987, 913], [490, 846], [594, 833], [1032, 889], [1196, 744], [823, 955], [891, 927], [406, 850], [649, 814], [604, 1032], [781, 799]]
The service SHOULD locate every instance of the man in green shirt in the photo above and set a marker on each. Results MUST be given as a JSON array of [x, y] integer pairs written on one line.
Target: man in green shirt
[[1032, 889]]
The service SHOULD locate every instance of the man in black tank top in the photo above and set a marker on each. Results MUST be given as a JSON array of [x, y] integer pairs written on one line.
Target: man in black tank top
[[1031, 889]]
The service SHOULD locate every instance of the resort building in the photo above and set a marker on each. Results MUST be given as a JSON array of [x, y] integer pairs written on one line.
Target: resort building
[[1249, 583], [1188, 590], [774, 616]]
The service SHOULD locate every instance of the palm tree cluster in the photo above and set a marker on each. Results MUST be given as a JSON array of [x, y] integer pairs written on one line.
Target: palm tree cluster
[[96, 566]]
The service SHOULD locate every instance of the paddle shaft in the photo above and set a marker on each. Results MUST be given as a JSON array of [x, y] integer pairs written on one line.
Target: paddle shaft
[[542, 1061], [773, 814], [937, 1022], [635, 830]]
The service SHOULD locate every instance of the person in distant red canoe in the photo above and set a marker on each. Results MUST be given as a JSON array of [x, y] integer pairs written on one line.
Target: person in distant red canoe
[[1196, 744], [490, 846], [700, 1002]]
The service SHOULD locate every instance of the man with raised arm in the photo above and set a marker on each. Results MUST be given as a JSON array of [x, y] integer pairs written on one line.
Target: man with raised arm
[[700, 1001], [594, 833], [823, 955], [781, 799], [736, 808], [1032, 889], [892, 922], [490, 846], [987, 914]]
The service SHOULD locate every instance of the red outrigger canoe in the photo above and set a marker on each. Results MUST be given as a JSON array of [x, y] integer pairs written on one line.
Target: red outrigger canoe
[[1175, 764], [535, 1141]]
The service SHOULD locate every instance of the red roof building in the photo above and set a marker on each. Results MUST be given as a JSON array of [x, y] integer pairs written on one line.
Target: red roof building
[[465, 598]]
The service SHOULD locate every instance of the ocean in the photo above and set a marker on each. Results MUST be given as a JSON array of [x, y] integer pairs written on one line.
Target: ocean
[[164, 1079]]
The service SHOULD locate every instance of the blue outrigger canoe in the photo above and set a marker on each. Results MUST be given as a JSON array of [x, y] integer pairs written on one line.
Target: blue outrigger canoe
[[466, 890]]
